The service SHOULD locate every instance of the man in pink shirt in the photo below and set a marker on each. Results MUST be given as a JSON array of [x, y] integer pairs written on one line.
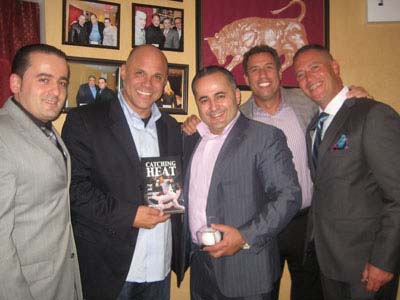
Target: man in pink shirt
[[241, 181]]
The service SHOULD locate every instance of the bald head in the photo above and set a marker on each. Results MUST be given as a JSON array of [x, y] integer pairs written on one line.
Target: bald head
[[145, 75]]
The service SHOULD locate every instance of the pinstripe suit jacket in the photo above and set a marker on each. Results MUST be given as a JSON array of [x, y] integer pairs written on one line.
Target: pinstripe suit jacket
[[302, 106], [253, 188], [38, 258]]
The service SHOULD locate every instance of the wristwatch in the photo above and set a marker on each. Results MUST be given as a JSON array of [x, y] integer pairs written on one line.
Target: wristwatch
[[245, 246]]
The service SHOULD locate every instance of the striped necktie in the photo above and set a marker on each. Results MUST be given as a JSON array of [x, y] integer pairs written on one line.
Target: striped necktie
[[318, 136]]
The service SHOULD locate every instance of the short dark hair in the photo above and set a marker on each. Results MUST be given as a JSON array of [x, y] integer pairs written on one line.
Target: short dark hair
[[261, 49], [212, 70], [153, 15], [316, 47], [167, 18], [21, 59], [107, 19], [105, 80], [91, 76]]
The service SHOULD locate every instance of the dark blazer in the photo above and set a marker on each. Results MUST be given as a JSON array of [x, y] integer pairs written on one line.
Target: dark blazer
[[88, 27], [106, 190], [356, 200], [154, 35], [253, 188], [84, 95], [104, 95]]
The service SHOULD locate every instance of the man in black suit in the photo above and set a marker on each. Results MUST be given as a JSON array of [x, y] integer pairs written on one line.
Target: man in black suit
[[104, 94], [353, 148], [94, 30], [124, 247], [87, 92]]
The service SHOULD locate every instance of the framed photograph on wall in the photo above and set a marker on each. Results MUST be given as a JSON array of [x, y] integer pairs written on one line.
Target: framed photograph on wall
[[91, 23], [158, 25], [102, 75], [226, 30], [175, 97]]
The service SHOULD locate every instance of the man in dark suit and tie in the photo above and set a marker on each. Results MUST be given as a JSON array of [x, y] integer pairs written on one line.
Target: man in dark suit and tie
[[353, 148], [240, 179], [87, 92], [104, 94], [125, 248]]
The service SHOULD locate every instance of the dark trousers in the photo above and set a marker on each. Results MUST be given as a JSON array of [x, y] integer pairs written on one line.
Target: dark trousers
[[306, 283], [203, 284], [337, 290], [159, 290]]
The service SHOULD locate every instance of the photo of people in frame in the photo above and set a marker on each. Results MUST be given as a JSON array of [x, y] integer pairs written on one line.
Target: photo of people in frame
[[91, 23], [158, 26]]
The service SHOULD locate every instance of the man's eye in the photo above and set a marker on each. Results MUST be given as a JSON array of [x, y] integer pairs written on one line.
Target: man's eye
[[139, 73], [159, 77], [44, 80], [64, 84], [299, 76]]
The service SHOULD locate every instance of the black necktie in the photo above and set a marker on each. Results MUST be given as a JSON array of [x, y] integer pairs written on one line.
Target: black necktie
[[50, 134], [318, 136], [52, 137]]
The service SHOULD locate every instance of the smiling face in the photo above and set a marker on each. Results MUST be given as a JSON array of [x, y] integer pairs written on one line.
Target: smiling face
[[216, 101], [263, 77], [318, 76], [156, 20], [42, 90], [145, 76]]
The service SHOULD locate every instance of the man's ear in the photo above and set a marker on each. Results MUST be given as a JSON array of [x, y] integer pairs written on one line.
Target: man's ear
[[336, 67], [123, 71], [238, 96], [15, 83]]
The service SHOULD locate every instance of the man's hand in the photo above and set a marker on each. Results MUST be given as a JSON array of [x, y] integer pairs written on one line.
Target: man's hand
[[147, 217], [374, 277], [357, 92], [232, 241], [190, 124]]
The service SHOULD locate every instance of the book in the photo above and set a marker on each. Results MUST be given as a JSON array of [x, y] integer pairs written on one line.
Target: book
[[163, 183]]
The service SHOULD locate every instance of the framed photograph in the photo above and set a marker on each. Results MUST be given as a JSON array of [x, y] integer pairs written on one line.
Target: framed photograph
[[158, 25], [226, 30], [92, 80], [175, 97], [91, 23]]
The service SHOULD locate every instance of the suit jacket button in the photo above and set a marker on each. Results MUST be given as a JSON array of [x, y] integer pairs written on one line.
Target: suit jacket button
[[72, 255]]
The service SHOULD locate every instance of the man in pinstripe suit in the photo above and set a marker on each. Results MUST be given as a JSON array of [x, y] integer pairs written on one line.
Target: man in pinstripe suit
[[239, 177]]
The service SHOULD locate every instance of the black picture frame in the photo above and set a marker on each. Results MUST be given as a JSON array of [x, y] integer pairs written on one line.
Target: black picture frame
[[175, 97], [76, 35], [82, 68], [213, 17], [144, 33]]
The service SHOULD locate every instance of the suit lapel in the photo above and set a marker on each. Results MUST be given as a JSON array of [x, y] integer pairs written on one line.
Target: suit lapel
[[332, 132], [162, 134], [120, 129], [34, 134], [231, 144]]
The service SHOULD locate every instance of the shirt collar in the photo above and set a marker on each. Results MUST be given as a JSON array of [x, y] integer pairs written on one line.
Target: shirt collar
[[134, 116], [204, 131], [257, 109], [336, 103], [35, 120]]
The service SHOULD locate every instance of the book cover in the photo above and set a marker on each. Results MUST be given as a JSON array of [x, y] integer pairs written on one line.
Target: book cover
[[163, 183]]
